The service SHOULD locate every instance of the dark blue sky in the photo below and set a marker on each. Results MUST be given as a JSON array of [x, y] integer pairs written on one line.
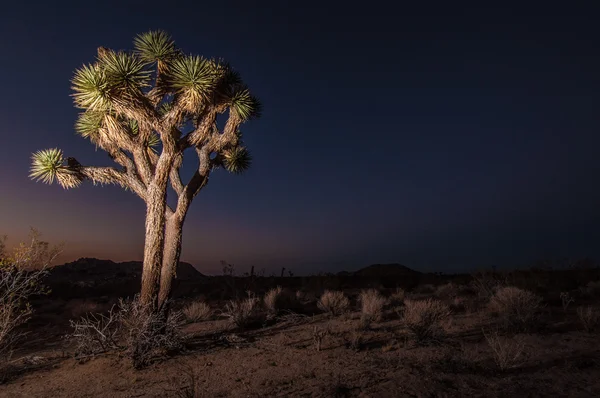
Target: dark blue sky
[[443, 137]]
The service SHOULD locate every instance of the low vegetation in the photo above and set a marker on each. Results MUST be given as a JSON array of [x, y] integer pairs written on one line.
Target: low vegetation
[[197, 311], [516, 308], [426, 319], [372, 303], [589, 318], [333, 302], [243, 313]]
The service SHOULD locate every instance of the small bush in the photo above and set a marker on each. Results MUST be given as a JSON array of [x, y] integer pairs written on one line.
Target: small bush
[[333, 302], [424, 289], [397, 297], [278, 299], [21, 276], [372, 304], [147, 333], [516, 307], [425, 319], [197, 311], [95, 333], [507, 351], [447, 291], [591, 290], [589, 318], [242, 313]]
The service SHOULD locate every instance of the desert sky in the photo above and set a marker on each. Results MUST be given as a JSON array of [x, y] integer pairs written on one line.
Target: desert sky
[[440, 137]]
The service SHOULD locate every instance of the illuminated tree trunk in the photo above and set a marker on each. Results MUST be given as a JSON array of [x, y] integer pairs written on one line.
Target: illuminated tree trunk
[[171, 254], [156, 204]]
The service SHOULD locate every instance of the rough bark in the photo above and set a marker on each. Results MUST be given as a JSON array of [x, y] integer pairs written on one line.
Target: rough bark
[[156, 205], [171, 254]]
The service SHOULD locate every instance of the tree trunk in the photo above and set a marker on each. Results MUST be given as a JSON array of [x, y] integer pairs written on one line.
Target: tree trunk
[[171, 254], [156, 203]]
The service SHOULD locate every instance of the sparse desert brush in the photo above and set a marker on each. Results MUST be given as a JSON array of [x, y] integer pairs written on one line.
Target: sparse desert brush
[[447, 291], [197, 311], [426, 319], [589, 318], [424, 289], [397, 297], [507, 352], [21, 276], [278, 299], [333, 302], [95, 333], [517, 308], [591, 290], [242, 313], [147, 333], [372, 303], [486, 283]]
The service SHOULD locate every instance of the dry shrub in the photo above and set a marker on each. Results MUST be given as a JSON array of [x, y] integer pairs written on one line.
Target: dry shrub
[[591, 290], [148, 333], [424, 289], [197, 311], [318, 335], [243, 313], [372, 304], [486, 283], [397, 297], [507, 352], [95, 333], [516, 307], [447, 291], [355, 340], [278, 299], [426, 319], [589, 318], [333, 302]]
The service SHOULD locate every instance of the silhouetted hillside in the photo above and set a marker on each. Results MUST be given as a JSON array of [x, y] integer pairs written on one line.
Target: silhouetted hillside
[[392, 270], [93, 277]]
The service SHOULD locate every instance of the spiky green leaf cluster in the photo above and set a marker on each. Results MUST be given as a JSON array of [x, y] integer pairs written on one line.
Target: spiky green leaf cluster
[[192, 79], [124, 71], [237, 160], [153, 142], [91, 88], [244, 104], [89, 124], [45, 165], [155, 46]]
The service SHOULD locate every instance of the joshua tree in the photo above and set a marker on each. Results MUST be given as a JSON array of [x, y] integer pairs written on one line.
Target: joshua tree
[[145, 108]]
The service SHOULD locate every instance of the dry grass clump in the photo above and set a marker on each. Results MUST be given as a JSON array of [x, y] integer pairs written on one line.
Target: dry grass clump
[[333, 302], [589, 318], [424, 289], [397, 297], [197, 311], [426, 319], [507, 352], [516, 307], [278, 299], [591, 290], [372, 304], [447, 291], [242, 313]]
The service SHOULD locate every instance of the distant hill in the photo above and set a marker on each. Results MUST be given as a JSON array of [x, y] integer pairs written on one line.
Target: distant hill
[[93, 268], [94, 277], [382, 270]]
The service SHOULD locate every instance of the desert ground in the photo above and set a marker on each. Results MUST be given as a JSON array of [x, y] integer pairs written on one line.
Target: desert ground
[[380, 343]]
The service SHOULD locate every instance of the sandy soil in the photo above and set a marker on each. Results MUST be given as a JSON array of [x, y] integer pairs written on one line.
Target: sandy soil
[[559, 360]]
